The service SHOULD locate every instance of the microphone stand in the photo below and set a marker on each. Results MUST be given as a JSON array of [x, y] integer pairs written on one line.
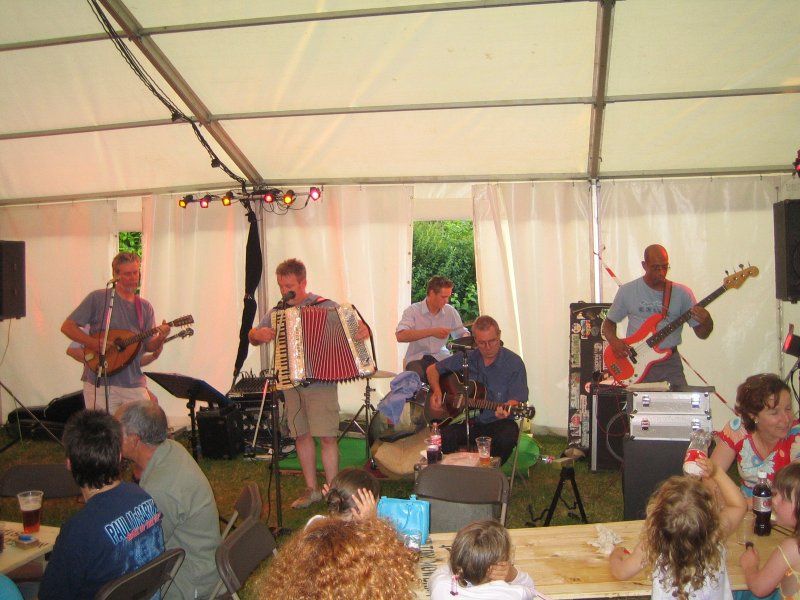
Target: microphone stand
[[277, 445], [102, 371], [465, 376]]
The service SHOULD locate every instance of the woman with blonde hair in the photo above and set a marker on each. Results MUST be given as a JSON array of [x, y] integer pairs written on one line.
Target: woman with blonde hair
[[337, 558], [683, 540]]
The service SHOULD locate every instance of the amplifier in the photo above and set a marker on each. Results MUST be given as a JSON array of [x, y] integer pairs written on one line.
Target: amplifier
[[609, 425], [668, 427], [691, 401], [220, 432], [647, 464]]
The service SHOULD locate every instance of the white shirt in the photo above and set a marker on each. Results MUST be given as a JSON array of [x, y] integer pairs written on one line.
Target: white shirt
[[441, 581]]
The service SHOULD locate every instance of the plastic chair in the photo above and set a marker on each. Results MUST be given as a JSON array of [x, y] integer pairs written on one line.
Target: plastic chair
[[460, 495], [247, 506], [241, 552], [144, 582]]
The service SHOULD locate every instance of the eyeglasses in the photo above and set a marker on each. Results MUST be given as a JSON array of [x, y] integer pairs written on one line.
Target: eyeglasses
[[488, 343], [664, 268]]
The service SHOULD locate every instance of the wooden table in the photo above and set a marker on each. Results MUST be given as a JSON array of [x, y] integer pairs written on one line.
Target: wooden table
[[563, 565], [12, 557]]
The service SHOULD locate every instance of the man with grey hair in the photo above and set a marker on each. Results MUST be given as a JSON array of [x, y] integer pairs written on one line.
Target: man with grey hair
[[180, 490], [131, 313]]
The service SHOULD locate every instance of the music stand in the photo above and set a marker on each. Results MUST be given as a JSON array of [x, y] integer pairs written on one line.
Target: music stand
[[193, 390]]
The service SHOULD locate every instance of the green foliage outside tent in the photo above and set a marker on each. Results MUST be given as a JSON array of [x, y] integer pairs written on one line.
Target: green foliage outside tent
[[446, 248]]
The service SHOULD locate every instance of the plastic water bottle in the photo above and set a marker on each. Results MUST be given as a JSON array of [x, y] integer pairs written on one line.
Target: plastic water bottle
[[698, 447], [762, 505]]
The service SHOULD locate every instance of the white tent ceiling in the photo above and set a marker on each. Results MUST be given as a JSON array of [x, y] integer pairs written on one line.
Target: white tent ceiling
[[333, 91]]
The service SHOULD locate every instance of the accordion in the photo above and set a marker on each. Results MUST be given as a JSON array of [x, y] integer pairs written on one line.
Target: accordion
[[314, 343]]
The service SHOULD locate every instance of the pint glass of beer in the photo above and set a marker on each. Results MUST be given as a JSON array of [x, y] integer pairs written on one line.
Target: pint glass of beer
[[30, 503], [484, 444]]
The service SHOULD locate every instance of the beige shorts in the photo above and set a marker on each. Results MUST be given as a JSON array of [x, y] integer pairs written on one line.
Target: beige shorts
[[313, 409], [117, 396]]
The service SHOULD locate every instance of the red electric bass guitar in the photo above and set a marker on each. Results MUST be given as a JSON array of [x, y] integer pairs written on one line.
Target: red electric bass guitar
[[644, 350]]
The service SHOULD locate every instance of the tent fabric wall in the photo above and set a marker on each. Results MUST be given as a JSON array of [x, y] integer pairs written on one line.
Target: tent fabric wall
[[193, 263], [533, 257], [68, 252]]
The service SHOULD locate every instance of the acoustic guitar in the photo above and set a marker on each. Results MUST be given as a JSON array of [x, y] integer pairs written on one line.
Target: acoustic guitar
[[123, 345], [644, 350], [456, 396]]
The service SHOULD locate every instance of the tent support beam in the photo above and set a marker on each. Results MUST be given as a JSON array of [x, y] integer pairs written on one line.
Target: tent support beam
[[175, 80], [605, 14]]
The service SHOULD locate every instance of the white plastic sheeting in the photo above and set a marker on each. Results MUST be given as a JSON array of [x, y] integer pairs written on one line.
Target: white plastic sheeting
[[365, 91]]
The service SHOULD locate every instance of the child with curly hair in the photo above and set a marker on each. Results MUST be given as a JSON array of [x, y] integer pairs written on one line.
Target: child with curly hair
[[332, 559], [481, 566], [783, 566], [683, 539]]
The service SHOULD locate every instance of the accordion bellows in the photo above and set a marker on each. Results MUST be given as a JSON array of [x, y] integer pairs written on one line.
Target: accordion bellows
[[314, 343]]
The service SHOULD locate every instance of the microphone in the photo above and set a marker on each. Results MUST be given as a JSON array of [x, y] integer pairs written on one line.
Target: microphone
[[285, 299], [113, 281]]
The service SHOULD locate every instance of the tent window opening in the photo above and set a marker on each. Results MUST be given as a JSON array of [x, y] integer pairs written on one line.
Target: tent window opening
[[446, 248]]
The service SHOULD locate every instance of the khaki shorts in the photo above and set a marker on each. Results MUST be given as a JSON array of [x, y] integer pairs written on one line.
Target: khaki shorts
[[313, 409], [117, 396]]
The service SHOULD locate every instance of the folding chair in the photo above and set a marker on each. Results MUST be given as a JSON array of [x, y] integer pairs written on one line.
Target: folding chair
[[460, 495], [247, 506], [144, 582], [53, 479], [240, 553]]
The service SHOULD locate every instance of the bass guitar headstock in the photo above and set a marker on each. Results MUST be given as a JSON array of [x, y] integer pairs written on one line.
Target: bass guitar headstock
[[736, 280]]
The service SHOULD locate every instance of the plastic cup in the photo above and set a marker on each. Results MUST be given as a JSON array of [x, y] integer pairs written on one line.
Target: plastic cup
[[484, 444], [745, 533], [30, 503]]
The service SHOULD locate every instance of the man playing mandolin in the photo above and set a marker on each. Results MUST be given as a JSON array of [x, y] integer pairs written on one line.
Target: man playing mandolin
[[505, 382], [643, 298], [131, 314]]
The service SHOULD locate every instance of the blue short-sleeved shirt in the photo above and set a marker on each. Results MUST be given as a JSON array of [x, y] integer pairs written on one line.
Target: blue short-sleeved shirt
[[505, 379], [418, 316], [637, 302]]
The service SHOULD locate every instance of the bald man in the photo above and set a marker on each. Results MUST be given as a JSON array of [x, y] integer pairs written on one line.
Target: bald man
[[642, 298]]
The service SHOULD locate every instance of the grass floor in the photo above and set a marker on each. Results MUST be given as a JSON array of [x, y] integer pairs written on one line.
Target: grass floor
[[601, 491]]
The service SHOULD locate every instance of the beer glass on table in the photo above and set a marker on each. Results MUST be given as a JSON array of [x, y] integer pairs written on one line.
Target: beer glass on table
[[30, 503]]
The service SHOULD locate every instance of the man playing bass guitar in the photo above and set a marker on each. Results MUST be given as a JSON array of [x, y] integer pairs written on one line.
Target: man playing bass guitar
[[643, 298], [503, 375]]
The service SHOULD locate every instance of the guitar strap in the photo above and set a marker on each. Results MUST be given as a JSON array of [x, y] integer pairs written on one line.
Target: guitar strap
[[137, 302], [666, 298]]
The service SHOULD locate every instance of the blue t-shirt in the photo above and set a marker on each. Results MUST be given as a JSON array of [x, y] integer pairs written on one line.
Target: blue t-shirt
[[117, 532], [638, 302], [92, 312], [505, 379]]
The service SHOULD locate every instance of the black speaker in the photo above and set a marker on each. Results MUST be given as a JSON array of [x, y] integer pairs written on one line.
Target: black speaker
[[648, 463], [786, 215], [12, 280], [220, 432], [609, 427]]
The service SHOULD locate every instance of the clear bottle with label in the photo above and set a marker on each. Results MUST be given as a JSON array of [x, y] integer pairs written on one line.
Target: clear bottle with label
[[698, 447], [762, 505]]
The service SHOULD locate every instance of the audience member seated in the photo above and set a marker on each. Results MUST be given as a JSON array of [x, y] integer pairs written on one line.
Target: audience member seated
[[181, 492], [481, 566], [333, 559], [765, 436], [118, 530], [352, 495]]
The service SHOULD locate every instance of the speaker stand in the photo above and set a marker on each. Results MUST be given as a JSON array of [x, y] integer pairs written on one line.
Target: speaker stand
[[567, 474]]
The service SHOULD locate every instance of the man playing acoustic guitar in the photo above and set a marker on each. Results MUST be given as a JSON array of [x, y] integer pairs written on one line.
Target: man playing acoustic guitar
[[643, 298], [502, 374], [132, 314]]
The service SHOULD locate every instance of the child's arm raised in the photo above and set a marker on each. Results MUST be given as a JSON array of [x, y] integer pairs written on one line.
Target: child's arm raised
[[764, 580], [626, 564], [735, 504]]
